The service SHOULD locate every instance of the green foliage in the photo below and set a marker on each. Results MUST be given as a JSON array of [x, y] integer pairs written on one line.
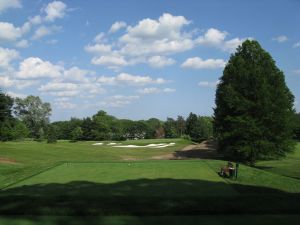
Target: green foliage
[[181, 125], [34, 113], [51, 134], [103, 126], [6, 103], [76, 134], [199, 128], [297, 126], [19, 130], [10, 128], [186, 137], [154, 128], [170, 127], [254, 107]]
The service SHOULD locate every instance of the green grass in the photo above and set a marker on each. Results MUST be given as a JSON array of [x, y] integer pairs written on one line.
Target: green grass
[[33, 157], [81, 179], [288, 166], [165, 172], [158, 220]]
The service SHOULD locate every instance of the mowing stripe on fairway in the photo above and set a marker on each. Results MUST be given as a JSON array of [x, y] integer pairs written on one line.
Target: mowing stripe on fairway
[[196, 175], [33, 175]]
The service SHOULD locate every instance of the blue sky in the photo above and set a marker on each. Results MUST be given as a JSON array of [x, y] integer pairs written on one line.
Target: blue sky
[[137, 59]]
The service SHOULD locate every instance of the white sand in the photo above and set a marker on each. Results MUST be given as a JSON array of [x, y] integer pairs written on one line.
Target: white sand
[[162, 145], [112, 143], [98, 144]]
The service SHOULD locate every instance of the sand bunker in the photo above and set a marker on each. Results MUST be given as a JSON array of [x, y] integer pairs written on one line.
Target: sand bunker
[[112, 143], [98, 144], [162, 145], [119, 145]]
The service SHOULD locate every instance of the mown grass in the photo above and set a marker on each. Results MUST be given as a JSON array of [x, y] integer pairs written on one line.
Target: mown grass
[[33, 157], [166, 173], [288, 166], [92, 180], [151, 220]]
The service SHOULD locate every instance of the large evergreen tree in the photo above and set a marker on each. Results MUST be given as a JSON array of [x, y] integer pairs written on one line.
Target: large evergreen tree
[[254, 107]]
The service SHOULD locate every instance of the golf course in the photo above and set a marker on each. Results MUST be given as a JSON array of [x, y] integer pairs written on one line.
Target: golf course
[[73, 181], [143, 112]]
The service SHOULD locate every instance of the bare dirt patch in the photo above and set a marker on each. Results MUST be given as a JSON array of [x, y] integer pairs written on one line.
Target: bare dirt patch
[[7, 161], [204, 150], [129, 158], [167, 156]]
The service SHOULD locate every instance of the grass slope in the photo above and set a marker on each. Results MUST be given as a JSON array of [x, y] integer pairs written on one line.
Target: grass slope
[[150, 220], [164, 172], [33, 157], [40, 184]]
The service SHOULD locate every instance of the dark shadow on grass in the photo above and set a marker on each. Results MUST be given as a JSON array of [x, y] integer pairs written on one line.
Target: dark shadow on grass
[[144, 197], [264, 167]]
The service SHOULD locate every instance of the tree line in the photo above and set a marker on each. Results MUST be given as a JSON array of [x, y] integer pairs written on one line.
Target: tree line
[[254, 117], [29, 118]]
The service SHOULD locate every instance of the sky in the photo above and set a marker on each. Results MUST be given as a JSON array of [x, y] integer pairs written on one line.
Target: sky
[[137, 59]]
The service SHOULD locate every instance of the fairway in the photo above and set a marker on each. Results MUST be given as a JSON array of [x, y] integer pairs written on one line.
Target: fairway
[[118, 175]]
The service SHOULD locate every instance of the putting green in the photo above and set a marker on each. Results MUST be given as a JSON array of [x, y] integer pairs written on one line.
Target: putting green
[[152, 178]]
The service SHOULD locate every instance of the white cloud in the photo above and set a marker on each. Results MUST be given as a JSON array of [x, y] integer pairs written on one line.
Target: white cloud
[[36, 20], [6, 4], [64, 105], [111, 61], [22, 44], [64, 93], [55, 10], [208, 84], [7, 81], [198, 63], [77, 74], [151, 90], [6, 56], [280, 39], [297, 71], [169, 90], [232, 44], [154, 90], [117, 26], [52, 42], [34, 67], [54, 87], [45, 31], [60, 89], [98, 48], [63, 88], [216, 38], [212, 37], [151, 41], [143, 43], [296, 45], [16, 95], [119, 100], [8, 32], [100, 38], [128, 79], [160, 61], [157, 36]]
